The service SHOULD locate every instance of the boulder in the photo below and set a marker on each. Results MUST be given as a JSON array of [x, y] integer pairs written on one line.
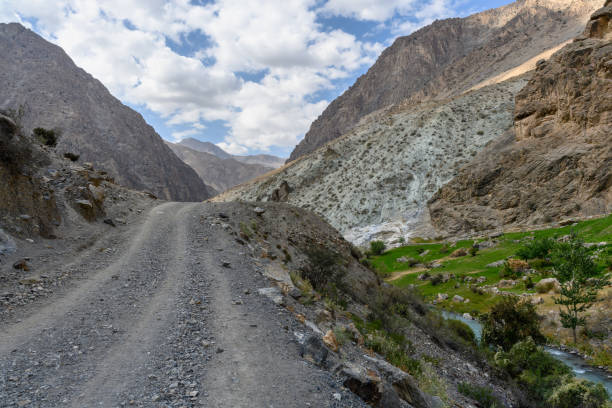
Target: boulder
[[403, 383], [442, 296], [506, 283], [458, 299], [496, 264], [518, 265], [330, 340], [274, 294], [281, 194], [21, 264], [370, 388], [485, 244], [314, 350], [547, 285], [458, 253], [96, 192], [259, 211], [481, 279]]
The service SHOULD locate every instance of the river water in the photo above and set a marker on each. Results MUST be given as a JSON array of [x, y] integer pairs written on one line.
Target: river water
[[577, 364]]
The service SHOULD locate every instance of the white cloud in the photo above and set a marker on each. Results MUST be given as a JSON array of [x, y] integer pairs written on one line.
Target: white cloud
[[380, 10]]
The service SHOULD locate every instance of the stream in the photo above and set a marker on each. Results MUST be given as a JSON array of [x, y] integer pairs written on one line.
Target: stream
[[580, 368]]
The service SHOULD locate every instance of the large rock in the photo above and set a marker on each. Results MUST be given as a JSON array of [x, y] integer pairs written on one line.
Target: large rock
[[548, 285], [314, 350], [50, 91], [403, 383]]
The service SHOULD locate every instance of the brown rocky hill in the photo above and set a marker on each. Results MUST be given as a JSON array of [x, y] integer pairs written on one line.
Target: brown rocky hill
[[558, 160], [44, 88], [452, 56], [218, 173]]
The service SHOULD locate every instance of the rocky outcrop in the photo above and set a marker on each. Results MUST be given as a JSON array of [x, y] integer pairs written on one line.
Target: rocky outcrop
[[27, 205], [450, 57], [42, 87], [218, 173], [557, 160]]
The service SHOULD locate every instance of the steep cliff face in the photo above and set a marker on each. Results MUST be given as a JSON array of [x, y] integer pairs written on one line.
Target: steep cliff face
[[44, 88], [450, 57], [557, 162], [374, 182]]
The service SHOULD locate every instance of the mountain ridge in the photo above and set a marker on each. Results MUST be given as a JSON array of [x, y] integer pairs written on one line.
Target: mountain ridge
[[44, 88], [216, 172], [433, 61], [208, 147]]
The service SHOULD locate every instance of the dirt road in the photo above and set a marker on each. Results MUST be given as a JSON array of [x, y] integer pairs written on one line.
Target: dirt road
[[170, 318]]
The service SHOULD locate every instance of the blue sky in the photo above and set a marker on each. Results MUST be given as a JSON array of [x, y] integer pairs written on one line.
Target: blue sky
[[248, 75]]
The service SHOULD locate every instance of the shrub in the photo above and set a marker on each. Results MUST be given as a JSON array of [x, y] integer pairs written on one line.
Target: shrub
[[484, 395], [538, 248], [395, 348], [462, 330], [46, 136], [444, 249], [473, 250], [535, 370], [437, 279], [529, 283], [539, 263], [323, 269], [377, 247], [579, 394], [71, 156], [509, 322]]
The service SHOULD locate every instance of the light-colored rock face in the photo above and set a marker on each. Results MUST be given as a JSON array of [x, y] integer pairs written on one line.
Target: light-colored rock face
[[450, 57], [42, 87], [374, 182]]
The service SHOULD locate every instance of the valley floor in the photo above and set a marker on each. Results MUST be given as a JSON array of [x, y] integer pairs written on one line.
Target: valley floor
[[163, 313]]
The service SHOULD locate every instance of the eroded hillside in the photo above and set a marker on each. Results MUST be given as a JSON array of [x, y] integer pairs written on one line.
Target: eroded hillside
[[375, 180]]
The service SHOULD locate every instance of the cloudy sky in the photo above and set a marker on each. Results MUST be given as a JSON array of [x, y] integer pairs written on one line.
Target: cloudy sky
[[248, 75]]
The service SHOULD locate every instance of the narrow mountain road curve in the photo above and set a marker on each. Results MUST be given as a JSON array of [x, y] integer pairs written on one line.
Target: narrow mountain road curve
[[174, 319]]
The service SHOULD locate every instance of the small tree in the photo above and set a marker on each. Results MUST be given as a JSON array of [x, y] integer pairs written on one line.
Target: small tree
[[577, 274], [377, 247], [510, 321]]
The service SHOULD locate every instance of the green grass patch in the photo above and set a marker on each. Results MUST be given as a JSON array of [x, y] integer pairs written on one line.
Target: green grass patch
[[596, 230]]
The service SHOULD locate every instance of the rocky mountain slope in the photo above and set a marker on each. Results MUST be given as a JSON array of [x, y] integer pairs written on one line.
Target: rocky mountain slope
[[207, 147], [218, 173], [558, 162], [44, 88], [452, 56], [374, 182]]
